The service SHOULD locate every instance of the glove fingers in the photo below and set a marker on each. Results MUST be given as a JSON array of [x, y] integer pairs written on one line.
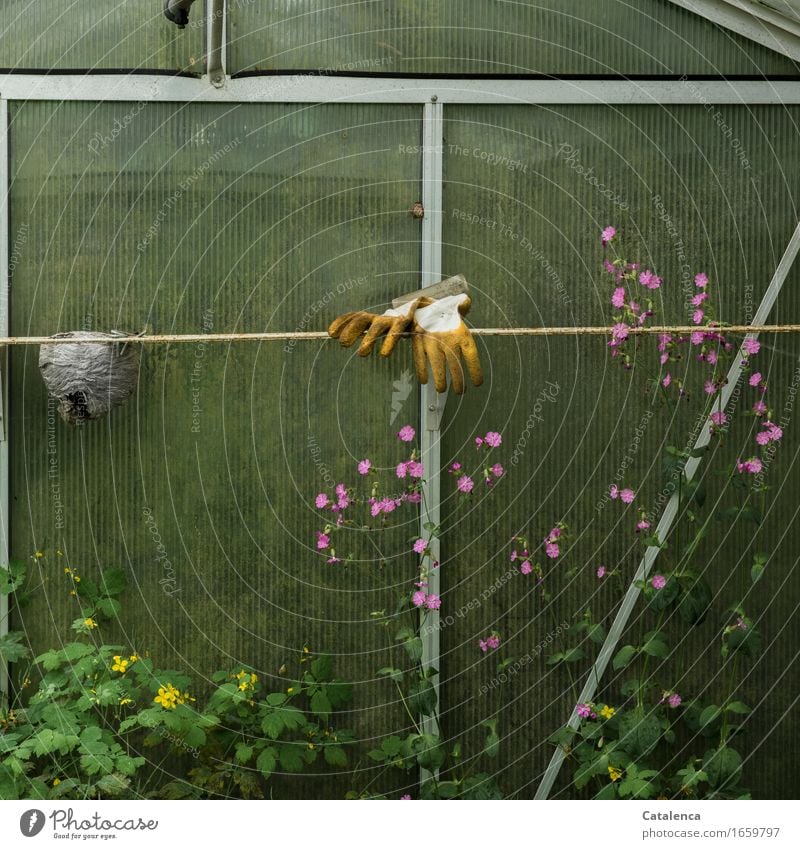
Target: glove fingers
[[338, 323], [380, 325], [396, 330], [435, 354], [464, 306], [469, 351], [420, 361], [355, 327], [452, 348]]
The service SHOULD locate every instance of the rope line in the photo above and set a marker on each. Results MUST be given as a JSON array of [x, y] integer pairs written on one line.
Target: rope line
[[322, 334]]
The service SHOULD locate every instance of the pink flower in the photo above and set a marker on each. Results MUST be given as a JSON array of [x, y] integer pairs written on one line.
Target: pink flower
[[364, 466], [493, 439], [420, 545], [583, 711], [710, 387], [711, 357], [456, 467], [321, 501], [414, 497], [701, 280], [601, 571], [618, 298], [607, 235], [674, 700], [433, 602], [406, 433], [323, 540], [658, 582], [667, 379], [405, 797], [478, 441], [614, 492], [627, 495], [699, 298], [497, 470], [402, 470], [465, 483], [752, 466], [526, 568], [619, 331], [719, 418], [755, 378], [493, 642], [415, 469], [552, 550], [643, 525], [697, 337], [697, 316], [648, 278], [775, 432], [759, 408], [763, 437], [418, 599], [751, 346]]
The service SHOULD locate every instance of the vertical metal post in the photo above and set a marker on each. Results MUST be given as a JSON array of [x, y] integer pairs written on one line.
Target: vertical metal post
[[431, 402], [669, 515], [216, 53], [4, 328]]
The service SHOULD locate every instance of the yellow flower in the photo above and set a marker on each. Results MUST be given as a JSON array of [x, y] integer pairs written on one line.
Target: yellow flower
[[614, 774], [126, 701], [120, 665], [170, 697], [290, 690], [56, 782], [39, 554], [90, 623], [76, 578], [72, 592], [311, 746], [607, 712], [134, 658], [67, 570]]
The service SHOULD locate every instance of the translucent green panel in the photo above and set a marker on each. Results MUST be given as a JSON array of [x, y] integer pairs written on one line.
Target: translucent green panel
[[69, 35], [498, 37], [523, 217], [202, 486]]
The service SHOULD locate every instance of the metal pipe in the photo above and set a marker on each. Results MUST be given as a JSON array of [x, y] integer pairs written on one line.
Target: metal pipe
[[215, 27]]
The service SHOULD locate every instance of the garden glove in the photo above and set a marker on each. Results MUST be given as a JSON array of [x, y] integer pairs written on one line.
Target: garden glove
[[441, 336], [177, 11], [392, 324]]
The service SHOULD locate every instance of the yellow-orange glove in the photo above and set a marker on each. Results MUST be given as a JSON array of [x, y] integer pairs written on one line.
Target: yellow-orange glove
[[441, 336], [392, 324]]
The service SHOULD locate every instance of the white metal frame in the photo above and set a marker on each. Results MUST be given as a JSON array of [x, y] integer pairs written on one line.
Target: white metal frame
[[4, 326]]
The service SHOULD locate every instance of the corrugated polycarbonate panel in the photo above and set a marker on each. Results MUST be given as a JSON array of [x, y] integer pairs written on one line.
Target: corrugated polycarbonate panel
[[498, 37], [527, 192], [71, 35], [201, 219]]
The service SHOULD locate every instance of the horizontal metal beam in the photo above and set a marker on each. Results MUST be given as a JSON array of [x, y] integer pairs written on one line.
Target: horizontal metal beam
[[313, 88]]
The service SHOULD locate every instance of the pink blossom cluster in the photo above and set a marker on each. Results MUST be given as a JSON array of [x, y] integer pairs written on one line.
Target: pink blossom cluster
[[585, 710], [624, 495], [551, 546], [421, 598], [491, 642], [522, 556]]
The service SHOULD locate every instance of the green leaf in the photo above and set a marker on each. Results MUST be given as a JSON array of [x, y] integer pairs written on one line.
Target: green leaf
[[320, 705], [11, 647], [267, 761], [413, 647], [709, 715], [322, 668], [113, 582], [429, 751], [656, 647], [291, 757], [243, 753], [292, 717], [391, 746], [12, 577], [639, 732], [276, 699], [756, 571], [109, 607], [722, 766], [738, 707], [660, 600], [624, 656], [75, 651], [421, 697], [339, 693], [491, 745], [696, 601], [390, 672], [272, 725], [113, 784], [335, 756], [128, 765]]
